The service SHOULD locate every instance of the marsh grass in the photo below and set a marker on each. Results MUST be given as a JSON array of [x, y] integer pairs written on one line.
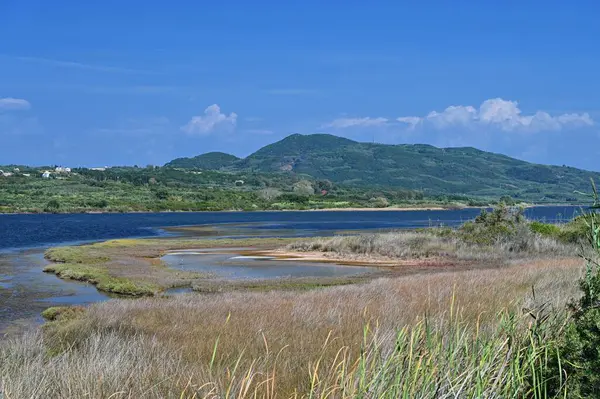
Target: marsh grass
[[59, 313], [412, 362], [101, 278], [132, 267], [501, 234], [452, 334], [437, 243], [479, 333]]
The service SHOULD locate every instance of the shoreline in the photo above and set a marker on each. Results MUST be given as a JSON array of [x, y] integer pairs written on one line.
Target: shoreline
[[347, 209]]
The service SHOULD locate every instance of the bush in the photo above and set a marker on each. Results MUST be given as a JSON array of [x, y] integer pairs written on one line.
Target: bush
[[379, 202], [579, 351], [102, 203], [295, 198], [545, 229], [161, 194], [56, 313], [52, 206], [491, 227], [577, 230], [507, 200], [304, 187]]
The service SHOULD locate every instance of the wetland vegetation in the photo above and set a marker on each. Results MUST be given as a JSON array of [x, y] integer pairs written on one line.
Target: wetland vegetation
[[477, 311]]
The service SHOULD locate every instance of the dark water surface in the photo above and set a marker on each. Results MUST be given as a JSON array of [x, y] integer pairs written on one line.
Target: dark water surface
[[22, 231], [25, 290]]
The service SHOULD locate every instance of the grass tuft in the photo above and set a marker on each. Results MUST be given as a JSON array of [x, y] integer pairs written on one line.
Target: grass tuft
[[61, 313], [101, 279]]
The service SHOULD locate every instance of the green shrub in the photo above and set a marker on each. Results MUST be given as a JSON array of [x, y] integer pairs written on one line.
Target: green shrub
[[577, 230], [295, 198], [545, 229], [490, 227], [52, 206], [379, 202], [56, 313], [580, 348]]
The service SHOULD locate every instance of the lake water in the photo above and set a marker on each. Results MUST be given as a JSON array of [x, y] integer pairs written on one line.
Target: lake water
[[25, 290], [21, 231]]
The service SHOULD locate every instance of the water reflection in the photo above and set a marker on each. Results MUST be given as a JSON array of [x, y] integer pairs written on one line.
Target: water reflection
[[25, 290], [238, 267]]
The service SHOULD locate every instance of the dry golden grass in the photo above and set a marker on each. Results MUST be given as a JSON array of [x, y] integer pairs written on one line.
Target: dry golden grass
[[277, 337], [431, 243]]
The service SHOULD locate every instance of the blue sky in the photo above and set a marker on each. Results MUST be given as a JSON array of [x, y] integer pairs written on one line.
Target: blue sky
[[142, 82]]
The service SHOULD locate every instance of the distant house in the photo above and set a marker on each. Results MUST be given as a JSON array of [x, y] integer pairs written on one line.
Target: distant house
[[27, 174], [60, 169], [239, 183], [46, 174], [5, 174], [99, 169], [16, 170]]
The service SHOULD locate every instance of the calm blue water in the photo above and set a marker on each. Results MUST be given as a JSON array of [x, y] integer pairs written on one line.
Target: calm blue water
[[27, 231]]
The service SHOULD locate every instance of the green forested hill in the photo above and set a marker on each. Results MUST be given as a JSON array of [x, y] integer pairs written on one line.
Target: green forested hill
[[466, 171], [210, 160]]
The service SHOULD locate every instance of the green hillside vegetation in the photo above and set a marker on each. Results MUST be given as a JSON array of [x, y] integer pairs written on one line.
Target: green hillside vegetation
[[465, 171], [132, 189], [300, 172], [210, 160]]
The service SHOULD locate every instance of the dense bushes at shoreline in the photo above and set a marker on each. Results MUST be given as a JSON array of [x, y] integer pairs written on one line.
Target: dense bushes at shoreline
[[161, 189]]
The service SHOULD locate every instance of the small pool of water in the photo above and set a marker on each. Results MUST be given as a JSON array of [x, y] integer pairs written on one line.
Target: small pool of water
[[25, 290], [236, 267]]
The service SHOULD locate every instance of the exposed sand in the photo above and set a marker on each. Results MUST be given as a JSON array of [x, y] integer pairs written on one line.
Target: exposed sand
[[363, 260]]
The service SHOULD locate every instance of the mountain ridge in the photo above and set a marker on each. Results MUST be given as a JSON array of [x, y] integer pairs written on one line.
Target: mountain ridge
[[456, 170]]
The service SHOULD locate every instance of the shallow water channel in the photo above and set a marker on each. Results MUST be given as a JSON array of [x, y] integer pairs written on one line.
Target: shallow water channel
[[232, 266], [25, 290]]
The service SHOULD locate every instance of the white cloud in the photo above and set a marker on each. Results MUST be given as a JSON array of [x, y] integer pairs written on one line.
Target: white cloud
[[498, 113], [211, 120], [343, 123], [412, 121], [12, 104]]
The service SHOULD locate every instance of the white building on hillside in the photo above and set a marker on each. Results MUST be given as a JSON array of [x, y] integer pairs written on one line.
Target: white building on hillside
[[46, 174]]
